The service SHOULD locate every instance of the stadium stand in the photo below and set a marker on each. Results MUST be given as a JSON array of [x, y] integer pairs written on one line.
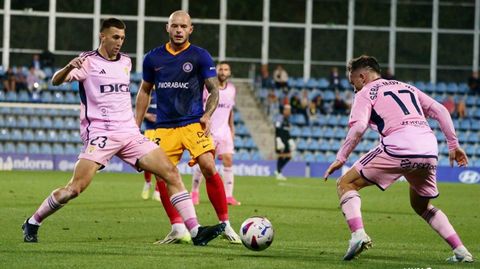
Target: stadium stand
[[43, 126], [320, 140]]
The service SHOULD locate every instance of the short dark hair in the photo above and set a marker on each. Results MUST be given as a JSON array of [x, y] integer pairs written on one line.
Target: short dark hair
[[364, 61], [224, 62], [112, 22]]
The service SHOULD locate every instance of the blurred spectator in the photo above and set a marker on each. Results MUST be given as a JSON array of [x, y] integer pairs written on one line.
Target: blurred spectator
[[339, 105], [295, 103], [312, 111], [449, 104], [265, 76], [474, 83], [388, 75], [348, 100], [10, 80], [280, 77], [34, 80], [47, 59], [305, 103], [334, 79], [319, 104], [272, 101], [461, 108], [36, 61]]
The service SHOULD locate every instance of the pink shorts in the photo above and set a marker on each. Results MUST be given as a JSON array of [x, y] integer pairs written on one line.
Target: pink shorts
[[128, 147], [382, 169], [223, 145]]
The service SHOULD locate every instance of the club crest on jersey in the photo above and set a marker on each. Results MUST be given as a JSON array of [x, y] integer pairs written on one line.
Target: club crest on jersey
[[187, 67]]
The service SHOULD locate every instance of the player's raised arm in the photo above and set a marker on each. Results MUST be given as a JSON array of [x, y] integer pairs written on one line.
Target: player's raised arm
[[212, 86], [142, 101], [61, 75]]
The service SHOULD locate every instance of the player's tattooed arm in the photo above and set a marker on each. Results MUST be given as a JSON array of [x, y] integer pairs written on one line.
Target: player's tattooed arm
[[212, 85]]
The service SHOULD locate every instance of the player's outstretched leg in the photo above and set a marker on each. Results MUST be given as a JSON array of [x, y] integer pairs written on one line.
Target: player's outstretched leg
[[82, 176], [350, 203], [179, 233], [158, 163], [440, 223], [196, 181]]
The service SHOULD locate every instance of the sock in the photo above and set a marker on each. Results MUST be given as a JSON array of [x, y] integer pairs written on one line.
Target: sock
[[281, 162], [439, 222], [179, 227], [183, 203], [351, 203], [147, 176], [216, 194], [47, 208], [228, 181], [167, 205], [196, 178]]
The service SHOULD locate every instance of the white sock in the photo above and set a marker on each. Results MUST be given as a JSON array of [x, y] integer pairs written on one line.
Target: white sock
[[194, 231], [227, 223], [179, 227], [33, 221], [359, 234]]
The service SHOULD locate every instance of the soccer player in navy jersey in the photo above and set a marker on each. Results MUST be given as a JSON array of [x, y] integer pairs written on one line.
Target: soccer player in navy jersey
[[179, 71]]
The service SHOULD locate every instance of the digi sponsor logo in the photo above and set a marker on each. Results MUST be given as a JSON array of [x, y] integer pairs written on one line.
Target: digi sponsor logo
[[187, 67], [469, 177], [407, 164], [114, 88]]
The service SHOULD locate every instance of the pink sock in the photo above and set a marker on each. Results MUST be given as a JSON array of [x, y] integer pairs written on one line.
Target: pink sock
[[196, 178], [228, 181], [47, 208], [183, 203], [351, 203], [439, 222]]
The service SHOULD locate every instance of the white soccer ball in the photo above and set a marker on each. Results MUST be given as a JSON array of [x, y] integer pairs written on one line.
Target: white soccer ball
[[257, 233]]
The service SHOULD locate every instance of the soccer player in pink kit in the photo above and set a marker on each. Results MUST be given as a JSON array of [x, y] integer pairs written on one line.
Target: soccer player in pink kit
[[108, 128], [408, 148], [223, 133]]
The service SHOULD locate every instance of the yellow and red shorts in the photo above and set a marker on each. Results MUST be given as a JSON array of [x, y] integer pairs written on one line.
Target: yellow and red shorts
[[174, 141]]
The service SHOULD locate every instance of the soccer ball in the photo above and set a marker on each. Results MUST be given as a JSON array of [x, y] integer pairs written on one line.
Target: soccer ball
[[257, 233]]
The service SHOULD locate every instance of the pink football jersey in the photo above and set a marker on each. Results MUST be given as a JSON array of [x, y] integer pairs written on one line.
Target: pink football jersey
[[106, 104], [219, 121], [396, 110]]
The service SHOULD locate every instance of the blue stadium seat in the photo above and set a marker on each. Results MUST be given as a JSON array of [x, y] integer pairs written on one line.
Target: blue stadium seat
[[249, 143], [312, 83], [47, 122], [28, 135], [302, 144], [46, 97], [58, 149], [323, 83], [10, 121], [22, 148], [441, 87], [452, 87], [2, 95], [314, 145], [465, 124], [345, 84], [71, 123], [256, 156], [70, 149], [46, 148], [4, 110], [322, 158], [11, 96], [16, 134], [35, 122], [75, 86], [309, 157], [70, 98], [33, 148], [23, 96], [52, 135], [58, 97], [40, 135], [9, 147], [306, 131], [4, 134]]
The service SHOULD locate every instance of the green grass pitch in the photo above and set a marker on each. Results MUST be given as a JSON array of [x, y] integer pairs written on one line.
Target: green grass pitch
[[110, 226]]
